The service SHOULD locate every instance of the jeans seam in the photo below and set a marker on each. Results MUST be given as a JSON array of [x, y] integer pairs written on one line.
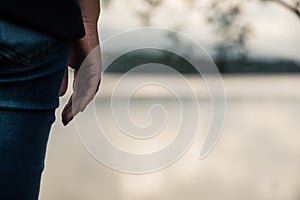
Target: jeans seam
[[25, 60]]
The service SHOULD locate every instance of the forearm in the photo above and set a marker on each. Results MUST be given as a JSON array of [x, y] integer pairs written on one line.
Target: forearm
[[90, 11]]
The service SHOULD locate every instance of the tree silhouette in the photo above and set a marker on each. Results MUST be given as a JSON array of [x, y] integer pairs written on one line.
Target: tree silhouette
[[293, 6], [226, 16], [227, 19]]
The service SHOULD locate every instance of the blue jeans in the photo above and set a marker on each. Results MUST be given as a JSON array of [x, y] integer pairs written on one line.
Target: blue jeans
[[32, 66]]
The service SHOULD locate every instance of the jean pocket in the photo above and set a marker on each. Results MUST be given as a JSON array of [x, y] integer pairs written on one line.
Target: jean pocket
[[25, 46]]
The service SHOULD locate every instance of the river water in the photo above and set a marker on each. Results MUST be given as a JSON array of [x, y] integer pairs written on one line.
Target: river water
[[257, 156]]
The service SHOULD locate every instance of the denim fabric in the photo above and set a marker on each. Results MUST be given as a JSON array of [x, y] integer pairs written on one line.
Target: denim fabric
[[32, 66], [23, 141]]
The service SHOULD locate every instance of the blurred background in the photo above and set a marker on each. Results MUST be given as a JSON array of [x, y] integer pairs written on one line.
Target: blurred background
[[255, 45]]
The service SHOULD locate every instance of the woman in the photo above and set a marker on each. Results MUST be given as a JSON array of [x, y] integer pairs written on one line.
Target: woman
[[38, 39]]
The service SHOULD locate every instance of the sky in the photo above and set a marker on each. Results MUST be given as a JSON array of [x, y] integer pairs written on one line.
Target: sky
[[275, 29]]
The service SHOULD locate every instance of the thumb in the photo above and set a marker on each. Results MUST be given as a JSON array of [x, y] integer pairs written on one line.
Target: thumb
[[64, 85]]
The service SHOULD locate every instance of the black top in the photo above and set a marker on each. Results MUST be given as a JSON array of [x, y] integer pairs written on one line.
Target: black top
[[61, 18]]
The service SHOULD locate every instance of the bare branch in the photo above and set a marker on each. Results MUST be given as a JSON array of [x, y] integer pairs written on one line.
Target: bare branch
[[295, 9]]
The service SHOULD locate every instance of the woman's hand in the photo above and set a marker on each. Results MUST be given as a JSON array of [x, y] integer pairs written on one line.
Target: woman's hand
[[85, 59]]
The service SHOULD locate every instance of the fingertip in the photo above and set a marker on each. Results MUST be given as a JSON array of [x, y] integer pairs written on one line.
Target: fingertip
[[62, 93], [67, 116], [65, 123]]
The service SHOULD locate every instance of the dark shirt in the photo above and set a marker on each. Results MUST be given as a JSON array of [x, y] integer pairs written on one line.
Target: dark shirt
[[60, 18]]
